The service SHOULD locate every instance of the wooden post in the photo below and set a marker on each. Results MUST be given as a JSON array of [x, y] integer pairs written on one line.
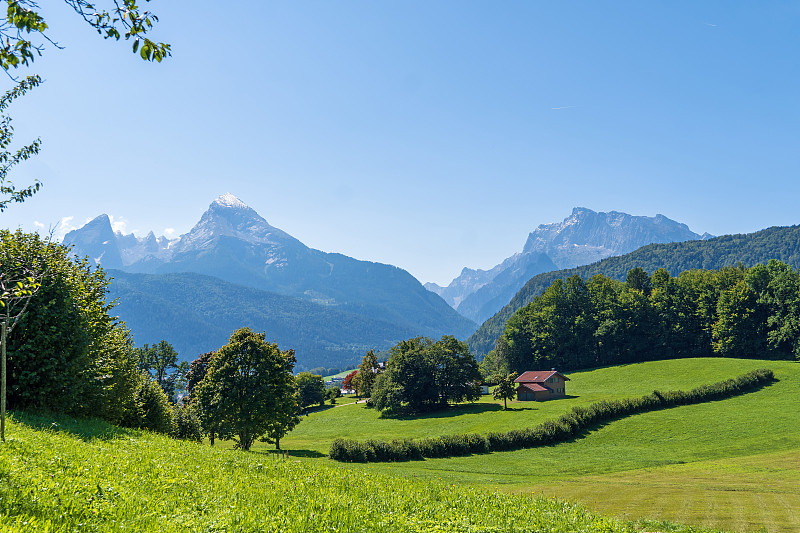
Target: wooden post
[[3, 382]]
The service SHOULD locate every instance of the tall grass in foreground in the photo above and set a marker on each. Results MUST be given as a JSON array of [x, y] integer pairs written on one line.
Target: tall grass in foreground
[[74, 476], [561, 429]]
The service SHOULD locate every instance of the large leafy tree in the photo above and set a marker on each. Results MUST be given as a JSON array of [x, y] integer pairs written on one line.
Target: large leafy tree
[[67, 353], [422, 375], [248, 388], [456, 371], [24, 31], [194, 376], [196, 372]]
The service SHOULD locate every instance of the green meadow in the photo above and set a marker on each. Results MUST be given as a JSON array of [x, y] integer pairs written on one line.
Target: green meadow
[[65, 475], [316, 432], [729, 464]]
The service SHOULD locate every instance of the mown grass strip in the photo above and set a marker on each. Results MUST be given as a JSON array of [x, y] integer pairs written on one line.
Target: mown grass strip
[[561, 429]]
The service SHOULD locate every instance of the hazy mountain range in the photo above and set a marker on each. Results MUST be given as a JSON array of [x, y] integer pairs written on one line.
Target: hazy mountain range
[[234, 269], [582, 238], [233, 243]]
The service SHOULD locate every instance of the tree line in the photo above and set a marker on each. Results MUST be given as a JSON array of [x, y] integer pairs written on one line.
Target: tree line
[[781, 243], [731, 312]]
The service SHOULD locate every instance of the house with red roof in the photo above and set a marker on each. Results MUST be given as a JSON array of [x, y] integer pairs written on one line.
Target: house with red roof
[[538, 385]]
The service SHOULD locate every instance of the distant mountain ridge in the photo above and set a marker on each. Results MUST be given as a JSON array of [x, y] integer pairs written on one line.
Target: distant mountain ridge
[[781, 243], [582, 238], [232, 242]]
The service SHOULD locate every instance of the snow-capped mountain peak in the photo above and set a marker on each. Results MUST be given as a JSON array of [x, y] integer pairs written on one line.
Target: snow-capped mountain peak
[[229, 200]]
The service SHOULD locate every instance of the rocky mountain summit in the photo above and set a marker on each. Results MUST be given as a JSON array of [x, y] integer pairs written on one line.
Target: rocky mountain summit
[[582, 238], [113, 249], [587, 236]]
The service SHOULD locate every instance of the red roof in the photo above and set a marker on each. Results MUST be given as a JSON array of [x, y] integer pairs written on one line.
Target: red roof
[[538, 376], [533, 387]]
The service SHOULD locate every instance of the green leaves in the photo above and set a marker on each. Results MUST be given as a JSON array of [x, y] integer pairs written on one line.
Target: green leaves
[[8, 192], [126, 20], [730, 312]]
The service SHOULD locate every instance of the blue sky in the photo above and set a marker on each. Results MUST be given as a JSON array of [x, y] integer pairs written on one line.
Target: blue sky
[[429, 135]]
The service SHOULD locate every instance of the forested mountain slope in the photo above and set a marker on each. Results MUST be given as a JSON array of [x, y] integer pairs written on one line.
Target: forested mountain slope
[[197, 314], [782, 243]]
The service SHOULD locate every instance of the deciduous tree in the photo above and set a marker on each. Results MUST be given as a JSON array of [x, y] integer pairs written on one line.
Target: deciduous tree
[[248, 389], [367, 372], [311, 388], [67, 354], [8, 160], [160, 361], [422, 374], [348, 383], [505, 390]]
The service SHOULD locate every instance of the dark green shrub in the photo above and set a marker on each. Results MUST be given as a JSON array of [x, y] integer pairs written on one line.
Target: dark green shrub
[[153, 410], [187, 424]]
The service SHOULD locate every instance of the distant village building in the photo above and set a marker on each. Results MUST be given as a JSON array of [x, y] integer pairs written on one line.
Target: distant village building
[[538, 385]]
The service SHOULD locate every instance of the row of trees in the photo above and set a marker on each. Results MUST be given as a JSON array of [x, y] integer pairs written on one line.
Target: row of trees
[[731, 312]]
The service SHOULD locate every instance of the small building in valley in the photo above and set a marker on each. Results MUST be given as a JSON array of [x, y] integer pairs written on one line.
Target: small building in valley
[[538, 385]]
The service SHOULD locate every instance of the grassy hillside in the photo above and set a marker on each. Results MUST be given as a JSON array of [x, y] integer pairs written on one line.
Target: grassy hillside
[[64, 475], [316, 432], [782, 243], [731, 464]]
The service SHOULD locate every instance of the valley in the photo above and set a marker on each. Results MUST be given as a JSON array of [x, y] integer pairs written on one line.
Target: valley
[[483, 267], [730, 465]]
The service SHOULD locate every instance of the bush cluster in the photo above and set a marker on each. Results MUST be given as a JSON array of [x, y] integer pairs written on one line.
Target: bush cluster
[[565, 427]]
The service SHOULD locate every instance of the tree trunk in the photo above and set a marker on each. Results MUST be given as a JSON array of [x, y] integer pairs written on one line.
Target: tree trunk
[[3, 383], [211, 437], [277, 443], [505, 404]]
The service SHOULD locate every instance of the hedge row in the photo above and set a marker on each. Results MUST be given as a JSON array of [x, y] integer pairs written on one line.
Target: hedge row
[[565, 427]]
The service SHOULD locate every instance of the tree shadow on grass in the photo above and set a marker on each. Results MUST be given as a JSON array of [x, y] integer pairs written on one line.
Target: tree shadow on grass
[[451, 411], [86, 429], [313, 454]]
